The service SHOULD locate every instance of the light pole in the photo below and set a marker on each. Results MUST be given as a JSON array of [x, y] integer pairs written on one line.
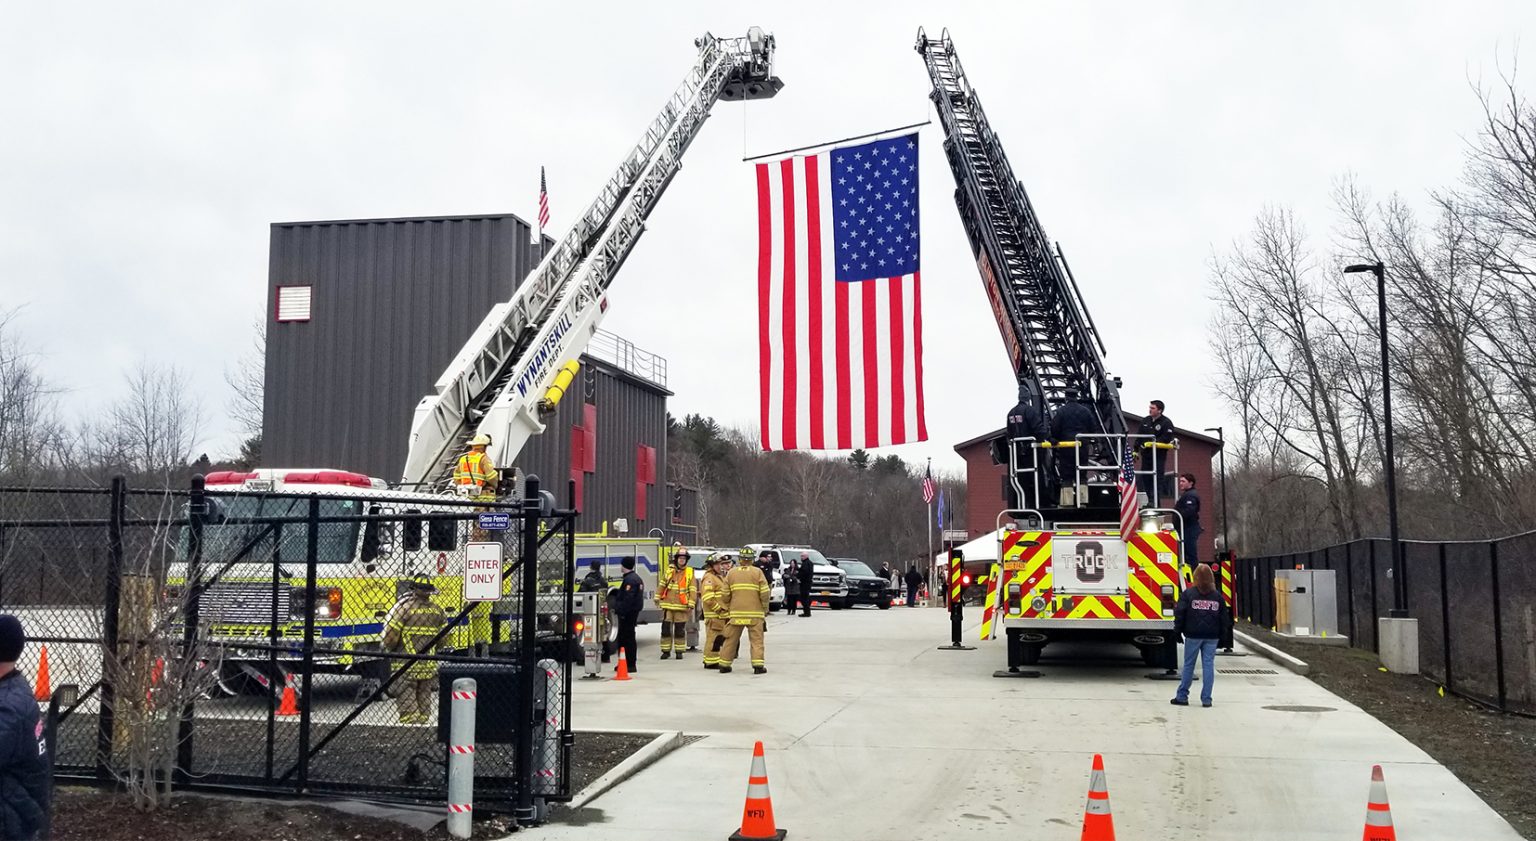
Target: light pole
[[1226, 539], [1399, 581]]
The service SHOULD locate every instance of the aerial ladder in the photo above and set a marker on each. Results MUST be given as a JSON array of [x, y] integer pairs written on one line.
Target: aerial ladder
[[509, 376], [1066, 571]]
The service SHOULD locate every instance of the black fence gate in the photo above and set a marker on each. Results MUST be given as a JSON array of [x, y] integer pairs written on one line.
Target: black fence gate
[[240, 638], [1475, 602]]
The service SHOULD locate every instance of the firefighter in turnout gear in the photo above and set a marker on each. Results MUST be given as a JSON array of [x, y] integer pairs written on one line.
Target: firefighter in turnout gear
[[748, 591], [476, 476], [717, 607], [409, 628], [676, 596]]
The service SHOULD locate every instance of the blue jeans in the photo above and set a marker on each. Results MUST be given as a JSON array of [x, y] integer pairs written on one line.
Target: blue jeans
[[1206, 649]]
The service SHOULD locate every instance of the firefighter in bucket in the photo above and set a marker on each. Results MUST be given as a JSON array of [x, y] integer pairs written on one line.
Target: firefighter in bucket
[[410, 628]]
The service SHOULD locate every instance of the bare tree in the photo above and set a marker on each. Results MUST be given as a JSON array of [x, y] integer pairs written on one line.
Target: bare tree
[[31, 436], [1291, 354], [150, 433], [248, 382]]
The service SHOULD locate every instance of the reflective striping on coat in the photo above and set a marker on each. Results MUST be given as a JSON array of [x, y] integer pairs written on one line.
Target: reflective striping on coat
[[716, 603], [474, 469], [748, 595], [676, 594], [410, 627]]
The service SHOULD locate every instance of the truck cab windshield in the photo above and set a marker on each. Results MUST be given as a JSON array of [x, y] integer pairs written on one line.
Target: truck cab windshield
[[235, 522]]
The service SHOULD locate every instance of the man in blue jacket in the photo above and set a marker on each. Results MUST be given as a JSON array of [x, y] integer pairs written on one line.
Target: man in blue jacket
[[24, 782], [1199, 617]]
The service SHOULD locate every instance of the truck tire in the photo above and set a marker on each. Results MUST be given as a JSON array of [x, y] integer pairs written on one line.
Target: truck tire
[[837, 604], [884, 604]]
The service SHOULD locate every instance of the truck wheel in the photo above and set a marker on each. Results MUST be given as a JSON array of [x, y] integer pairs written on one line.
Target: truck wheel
[[837, 604], [884, 605]]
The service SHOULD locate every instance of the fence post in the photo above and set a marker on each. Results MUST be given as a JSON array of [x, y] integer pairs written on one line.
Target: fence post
[[524, 813], [1375, 611], [461, 758], [1349, 589], [197, 506], [1445, 621], [1498, 625], [311, 558], [106, 722]]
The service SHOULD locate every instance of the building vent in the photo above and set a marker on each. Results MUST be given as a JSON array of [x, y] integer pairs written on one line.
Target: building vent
[[293, 303]]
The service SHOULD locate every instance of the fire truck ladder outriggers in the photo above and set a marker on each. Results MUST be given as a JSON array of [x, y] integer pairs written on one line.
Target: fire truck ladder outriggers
[[497, 383], [1051, 339]]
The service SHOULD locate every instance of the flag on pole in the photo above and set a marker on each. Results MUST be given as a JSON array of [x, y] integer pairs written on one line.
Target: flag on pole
[[543, 202], [941, 509], [928, 486], [840, 317], [1126, 483]]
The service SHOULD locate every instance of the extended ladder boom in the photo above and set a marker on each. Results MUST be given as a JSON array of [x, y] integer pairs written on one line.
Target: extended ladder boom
[[1051, 341], [495, 384]]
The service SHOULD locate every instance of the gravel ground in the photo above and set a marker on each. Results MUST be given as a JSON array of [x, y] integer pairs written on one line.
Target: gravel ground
[[1493, 753], [82, 814]]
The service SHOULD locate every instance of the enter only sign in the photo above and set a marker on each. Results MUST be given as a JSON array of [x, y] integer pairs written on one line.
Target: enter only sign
[[482, 572]]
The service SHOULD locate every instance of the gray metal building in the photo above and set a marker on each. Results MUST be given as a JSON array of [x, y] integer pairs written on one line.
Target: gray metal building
[[363, 317]]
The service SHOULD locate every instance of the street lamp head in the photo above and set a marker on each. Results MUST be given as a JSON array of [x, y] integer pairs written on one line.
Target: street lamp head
[[1373, 268]]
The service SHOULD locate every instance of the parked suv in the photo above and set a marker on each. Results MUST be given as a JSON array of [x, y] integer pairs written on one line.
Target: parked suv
[[828, 583], [864, 586]]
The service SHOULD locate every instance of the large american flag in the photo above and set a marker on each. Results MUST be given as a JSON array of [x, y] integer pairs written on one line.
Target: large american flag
[[840, 317], [543, 202], [1126, 483]]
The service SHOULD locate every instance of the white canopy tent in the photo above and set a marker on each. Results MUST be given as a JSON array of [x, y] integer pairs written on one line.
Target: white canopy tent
[[984, 548]]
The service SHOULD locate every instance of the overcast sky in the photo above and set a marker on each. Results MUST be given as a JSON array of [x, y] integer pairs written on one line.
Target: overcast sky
[[145, 149]]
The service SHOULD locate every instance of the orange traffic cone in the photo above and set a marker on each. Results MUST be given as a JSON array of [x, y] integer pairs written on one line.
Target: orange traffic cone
[[44, 690], [1378, 815], [1098, 823], [623, 672], [290, 703], [757, 817]]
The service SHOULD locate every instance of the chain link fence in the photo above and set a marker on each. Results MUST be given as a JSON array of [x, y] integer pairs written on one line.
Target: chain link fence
[[297, 643], [1475, 602]]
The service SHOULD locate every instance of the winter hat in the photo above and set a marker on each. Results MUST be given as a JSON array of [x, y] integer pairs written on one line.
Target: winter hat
[[12, 638]]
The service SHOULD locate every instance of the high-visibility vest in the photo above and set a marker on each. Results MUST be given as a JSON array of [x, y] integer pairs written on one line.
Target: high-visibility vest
[[475, 469], [676, 593]]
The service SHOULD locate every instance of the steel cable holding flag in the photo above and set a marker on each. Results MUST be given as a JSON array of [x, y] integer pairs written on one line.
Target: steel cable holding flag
[[839, 298]]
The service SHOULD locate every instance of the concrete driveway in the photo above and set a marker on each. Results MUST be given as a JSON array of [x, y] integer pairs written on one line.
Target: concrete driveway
[[873, 733]]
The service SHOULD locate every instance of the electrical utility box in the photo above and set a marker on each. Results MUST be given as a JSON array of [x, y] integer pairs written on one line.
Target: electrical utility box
[[1306, 603]]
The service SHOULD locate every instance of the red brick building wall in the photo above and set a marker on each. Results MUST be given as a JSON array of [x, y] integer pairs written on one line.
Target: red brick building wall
[[984, 482]]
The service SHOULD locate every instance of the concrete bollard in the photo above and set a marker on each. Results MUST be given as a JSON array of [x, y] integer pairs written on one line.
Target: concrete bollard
[[461, 758]]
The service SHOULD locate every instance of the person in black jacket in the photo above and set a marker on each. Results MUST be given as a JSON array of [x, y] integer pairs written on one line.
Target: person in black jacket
[[1155, 459], [25, 786], [1188, 507], [914, 581], [1071, 419], [1199, 617], [627, 606], [805, 570]]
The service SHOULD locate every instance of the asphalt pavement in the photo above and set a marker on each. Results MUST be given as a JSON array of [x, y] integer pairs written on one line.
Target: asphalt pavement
[[871, 732]]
